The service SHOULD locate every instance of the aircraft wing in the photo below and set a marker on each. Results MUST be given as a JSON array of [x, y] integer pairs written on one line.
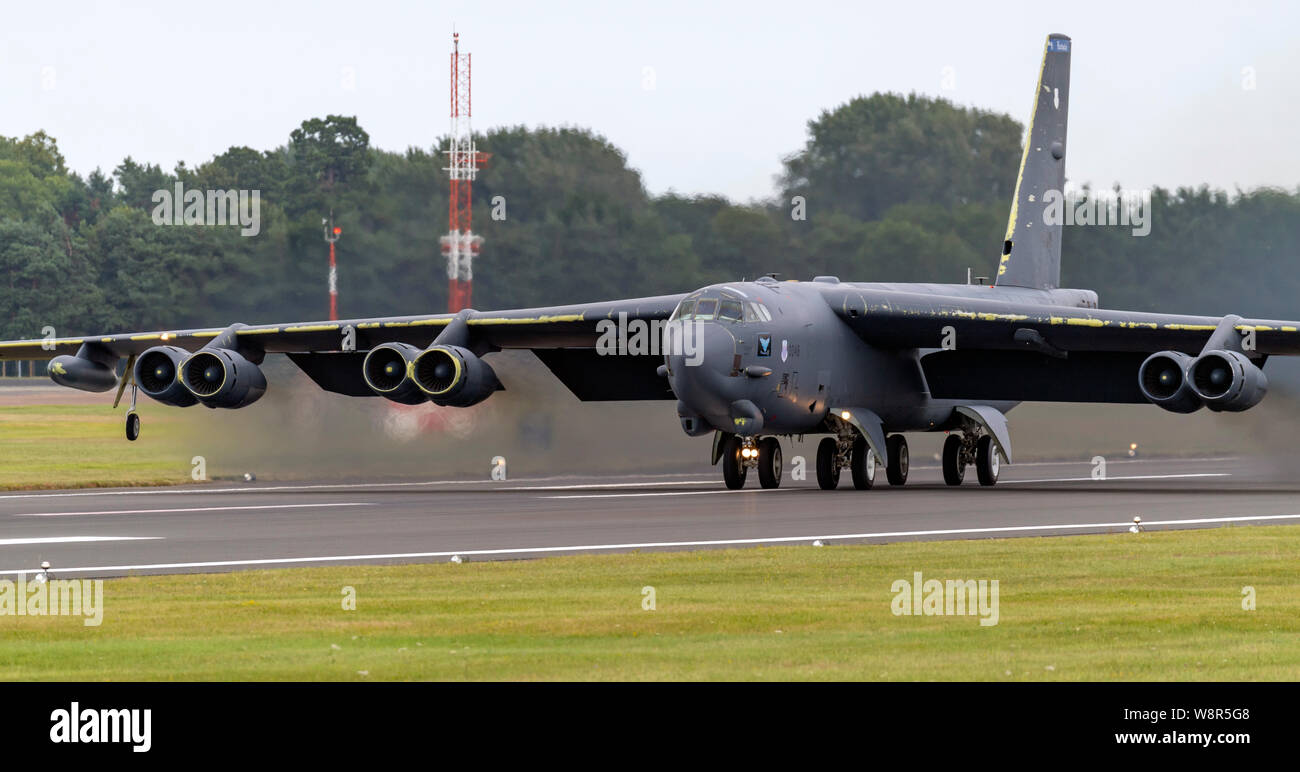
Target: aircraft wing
[[322, 348], [996, 350], [549, 327], [913, 320]]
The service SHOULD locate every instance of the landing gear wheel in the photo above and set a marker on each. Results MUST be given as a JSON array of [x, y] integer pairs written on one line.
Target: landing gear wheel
[[986, 461], [769, 462], [132, 426], [828, 468], [896, 469], [733, 469], [954, 471], [863, 465]]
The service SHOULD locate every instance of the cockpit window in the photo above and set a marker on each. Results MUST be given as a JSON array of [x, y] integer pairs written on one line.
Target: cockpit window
[[685, 310], [726, 307]]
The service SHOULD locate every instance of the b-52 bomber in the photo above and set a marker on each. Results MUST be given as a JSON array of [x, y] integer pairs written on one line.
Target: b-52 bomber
[[750, 361]]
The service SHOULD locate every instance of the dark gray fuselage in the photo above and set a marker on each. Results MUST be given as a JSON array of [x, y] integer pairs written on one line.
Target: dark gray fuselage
[[817, 361]]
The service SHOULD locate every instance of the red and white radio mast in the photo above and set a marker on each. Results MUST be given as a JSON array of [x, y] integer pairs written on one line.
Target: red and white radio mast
[[460, 245]]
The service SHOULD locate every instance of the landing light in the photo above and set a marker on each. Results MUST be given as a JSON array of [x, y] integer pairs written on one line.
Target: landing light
[[845, 415]]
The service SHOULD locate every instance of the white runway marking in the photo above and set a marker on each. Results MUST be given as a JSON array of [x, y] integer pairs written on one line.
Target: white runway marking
[[703, 480], [668, 493], [1109, 478], [651, 545], [548, 482], [71, 539], [179, 491], [191, 509], [1110, 461], [1112, 478]]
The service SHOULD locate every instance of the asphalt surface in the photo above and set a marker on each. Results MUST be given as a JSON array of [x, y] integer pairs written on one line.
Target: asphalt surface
[[223, 526]]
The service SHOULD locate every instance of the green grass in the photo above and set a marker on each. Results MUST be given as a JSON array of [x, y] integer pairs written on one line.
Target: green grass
[[71, 446], [1158, 606]]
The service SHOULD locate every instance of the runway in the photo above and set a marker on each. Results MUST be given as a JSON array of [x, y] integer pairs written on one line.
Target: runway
[[225, 526]]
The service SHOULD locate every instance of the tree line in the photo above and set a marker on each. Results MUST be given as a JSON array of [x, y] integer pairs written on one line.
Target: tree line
[[886, 188]]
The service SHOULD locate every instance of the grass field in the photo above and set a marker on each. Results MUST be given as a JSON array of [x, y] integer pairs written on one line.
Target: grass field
[[70, 446], [1161, 606]]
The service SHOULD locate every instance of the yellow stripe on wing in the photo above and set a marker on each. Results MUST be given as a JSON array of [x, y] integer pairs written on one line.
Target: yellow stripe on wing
[[528, 319]]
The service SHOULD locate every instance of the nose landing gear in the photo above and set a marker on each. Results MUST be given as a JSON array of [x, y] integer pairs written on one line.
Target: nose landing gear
[[768, 458], [740, 454], [735, 466]]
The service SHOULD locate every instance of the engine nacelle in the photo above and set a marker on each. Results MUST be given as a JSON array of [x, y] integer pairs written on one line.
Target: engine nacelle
[[387, 370], [1162, 379], [90, 369], [1227, 380], [156, 372], [453, 376], [219, 377]]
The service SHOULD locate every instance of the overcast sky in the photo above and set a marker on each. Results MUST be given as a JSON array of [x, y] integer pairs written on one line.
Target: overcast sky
[[1158, 91]]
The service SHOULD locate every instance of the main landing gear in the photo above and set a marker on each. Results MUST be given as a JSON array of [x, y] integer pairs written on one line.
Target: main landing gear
[[963, 449], [739, 454], [846, 449], [850, 449]]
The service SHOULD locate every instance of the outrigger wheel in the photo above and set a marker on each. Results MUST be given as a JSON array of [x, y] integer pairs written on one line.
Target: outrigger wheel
[[828, 466], [132, 417], [896, 469], [733, 468]]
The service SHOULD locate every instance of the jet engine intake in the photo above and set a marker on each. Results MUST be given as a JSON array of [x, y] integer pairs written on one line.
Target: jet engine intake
[[220, 377], [454, 376], [156, 372], [1162, 379], [1227, 380], [387, 371]]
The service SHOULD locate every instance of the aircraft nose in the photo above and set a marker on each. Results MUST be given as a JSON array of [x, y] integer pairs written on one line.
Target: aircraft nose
[[700, 357]]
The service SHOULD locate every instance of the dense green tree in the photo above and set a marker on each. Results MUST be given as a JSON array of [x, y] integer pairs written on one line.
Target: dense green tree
[[333, 150], [875, 152]]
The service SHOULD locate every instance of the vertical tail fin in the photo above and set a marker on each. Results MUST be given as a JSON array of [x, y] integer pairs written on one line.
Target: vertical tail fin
[[1031, 252]]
